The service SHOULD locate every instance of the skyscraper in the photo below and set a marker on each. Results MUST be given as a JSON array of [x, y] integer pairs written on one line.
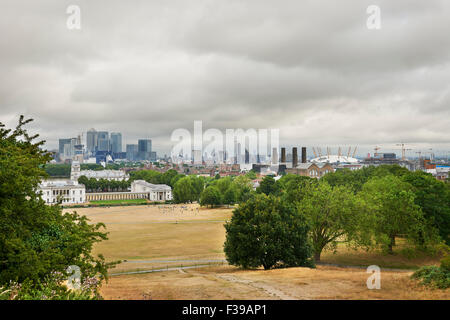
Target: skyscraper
[[63, 142], [144, 149], [132, 152], [116, 142], [103, 141], [91, 141]]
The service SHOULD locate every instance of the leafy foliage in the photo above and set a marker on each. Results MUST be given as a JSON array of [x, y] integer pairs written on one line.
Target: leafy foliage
[[391, 208], [37, 240], [210, 196], [333, 213], [432, 276], [433, 197], [267, 231]]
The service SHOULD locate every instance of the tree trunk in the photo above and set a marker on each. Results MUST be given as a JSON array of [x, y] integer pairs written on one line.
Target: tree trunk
[[317, 256], [391, 244]]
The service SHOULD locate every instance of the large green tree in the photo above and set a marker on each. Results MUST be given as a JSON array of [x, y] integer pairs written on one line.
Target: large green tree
[[268, 185], [392, 210], [267, 231], [211, 196], [37, 240], [433, 197], [332, 214]]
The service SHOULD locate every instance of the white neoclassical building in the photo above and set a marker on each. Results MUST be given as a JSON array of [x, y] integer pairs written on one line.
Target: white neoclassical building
[[76, 173], [69, 192], [157, 192]]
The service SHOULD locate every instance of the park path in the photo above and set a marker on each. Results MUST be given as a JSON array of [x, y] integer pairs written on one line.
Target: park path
[[258, 285]]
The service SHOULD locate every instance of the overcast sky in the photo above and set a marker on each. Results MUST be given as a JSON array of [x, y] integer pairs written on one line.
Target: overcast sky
[[310, 68]]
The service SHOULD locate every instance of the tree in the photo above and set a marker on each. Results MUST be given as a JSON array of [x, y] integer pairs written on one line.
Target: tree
[[267, 186], [37, 240], [182, 191], [332, 214], [433, 197], [198, 184], [57, 169], [243, 188], [294, 187], [230, 196], [267, 231], [222, 184], [251, 175], [210, 196], [167, 177], [391, 206]]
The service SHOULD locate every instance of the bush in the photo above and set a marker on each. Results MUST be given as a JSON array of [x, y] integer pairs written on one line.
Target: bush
[[52, 288], [432, 276], [445, 263], [267, 231]]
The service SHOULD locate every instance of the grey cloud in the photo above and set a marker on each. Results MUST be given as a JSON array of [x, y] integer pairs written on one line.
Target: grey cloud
[[310, 68]]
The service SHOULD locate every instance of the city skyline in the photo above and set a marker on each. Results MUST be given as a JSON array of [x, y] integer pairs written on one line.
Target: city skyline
[[313, 70]]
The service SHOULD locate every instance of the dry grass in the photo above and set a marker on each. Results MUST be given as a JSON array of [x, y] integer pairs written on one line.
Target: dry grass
[[296, 283], [150, 233], [398, 260]]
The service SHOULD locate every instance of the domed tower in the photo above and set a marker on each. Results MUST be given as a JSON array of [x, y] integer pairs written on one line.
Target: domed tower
[[75, 171]]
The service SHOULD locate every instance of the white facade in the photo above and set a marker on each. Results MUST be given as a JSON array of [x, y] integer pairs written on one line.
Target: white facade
[[76, 173], [157, 192], [69, 192], [332, 158]]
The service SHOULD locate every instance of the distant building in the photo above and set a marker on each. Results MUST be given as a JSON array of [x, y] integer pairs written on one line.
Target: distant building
[[76, 173], [197, 157], [66, 191], [144, 149], [66, 149], [116, 142], [91, 141], [132, 152], [103, 143], [312, 170], [157, 192]]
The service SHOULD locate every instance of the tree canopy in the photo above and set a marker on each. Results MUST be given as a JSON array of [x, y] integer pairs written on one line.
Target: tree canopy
[[266, 231], [37, 240]]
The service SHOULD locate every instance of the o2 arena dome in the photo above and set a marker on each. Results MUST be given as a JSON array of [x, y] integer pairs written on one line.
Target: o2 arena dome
[[335, 159]]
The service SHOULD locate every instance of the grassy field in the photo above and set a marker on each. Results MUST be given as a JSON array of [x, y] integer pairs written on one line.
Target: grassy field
[[165, 236]]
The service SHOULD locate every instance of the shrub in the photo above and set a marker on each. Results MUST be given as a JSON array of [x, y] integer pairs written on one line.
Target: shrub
[[51, 288], [432, 276], [445, 263]]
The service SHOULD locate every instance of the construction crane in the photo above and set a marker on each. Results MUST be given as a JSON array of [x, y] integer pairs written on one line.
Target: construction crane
[[376, 154], [420, 154], [404, 149], [430, 153]]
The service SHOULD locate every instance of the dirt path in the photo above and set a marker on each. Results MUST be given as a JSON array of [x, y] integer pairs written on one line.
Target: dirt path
[[258, 285]]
